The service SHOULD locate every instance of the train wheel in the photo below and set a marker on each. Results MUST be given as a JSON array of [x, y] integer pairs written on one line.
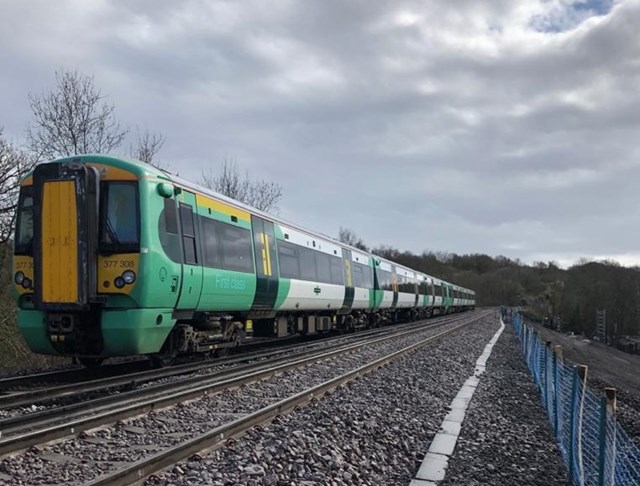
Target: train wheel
[[234, 342], [91, 362]]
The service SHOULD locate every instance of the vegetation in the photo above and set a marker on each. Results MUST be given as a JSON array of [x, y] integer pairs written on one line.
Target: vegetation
[[544, 289], [147, 146], [260, 194], [72, 119], [348, 237]]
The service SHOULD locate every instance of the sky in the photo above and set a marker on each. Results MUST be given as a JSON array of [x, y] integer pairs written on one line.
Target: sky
[[505, 127]]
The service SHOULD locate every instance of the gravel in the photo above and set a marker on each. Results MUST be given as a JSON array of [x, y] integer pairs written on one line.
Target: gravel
[[373, 431], [93, 453], [506, 437]]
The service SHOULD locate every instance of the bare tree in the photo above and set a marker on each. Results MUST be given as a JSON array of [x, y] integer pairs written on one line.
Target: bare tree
[[260, 194], [72, 119], [348, 236], [14, 164], [147, 147]]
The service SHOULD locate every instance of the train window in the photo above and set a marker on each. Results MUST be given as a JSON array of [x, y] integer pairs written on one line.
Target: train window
[[288, 260], [307, 264], [188, 235], [337, 276], [186, 216], [236, 248], [119, 217], [24, 239], [357, 275], [170, 217], [210, 243], [368, 276], [322, 267], [384, 280], [365, 275], [170, 241]]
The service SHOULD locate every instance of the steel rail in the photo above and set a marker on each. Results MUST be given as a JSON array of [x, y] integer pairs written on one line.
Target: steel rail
[[158, 396], [144, 467], [130, 380]]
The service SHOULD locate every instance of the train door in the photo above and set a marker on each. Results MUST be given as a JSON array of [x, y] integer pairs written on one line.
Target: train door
[[266, 264], [191, 255], [64, 241], [349, 291], [394, 286]]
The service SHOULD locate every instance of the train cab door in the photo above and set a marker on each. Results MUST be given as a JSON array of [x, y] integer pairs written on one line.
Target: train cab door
[[266, 264], [191, 286], [64, 245]]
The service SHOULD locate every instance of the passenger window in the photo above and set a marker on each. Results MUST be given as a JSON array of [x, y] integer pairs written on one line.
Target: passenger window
[[307, 264], [337, 276], [236, 248], [322, 265], [288, 259], [210, 243]]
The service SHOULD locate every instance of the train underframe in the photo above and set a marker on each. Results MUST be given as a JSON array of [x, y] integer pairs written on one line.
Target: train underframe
[[79, 334]]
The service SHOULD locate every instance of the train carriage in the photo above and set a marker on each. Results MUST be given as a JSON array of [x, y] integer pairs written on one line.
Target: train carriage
[[114, 257]]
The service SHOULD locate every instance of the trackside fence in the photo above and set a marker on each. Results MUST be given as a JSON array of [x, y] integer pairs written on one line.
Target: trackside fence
[[595, 448]]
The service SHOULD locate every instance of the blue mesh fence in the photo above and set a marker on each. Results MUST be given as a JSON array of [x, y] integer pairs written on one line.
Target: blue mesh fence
[[595, 448]]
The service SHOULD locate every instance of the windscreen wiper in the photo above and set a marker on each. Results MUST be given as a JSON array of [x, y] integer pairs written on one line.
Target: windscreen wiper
[[112, 235]]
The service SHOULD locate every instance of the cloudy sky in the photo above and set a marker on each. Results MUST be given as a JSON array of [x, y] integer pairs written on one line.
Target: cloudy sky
[[502, 126]]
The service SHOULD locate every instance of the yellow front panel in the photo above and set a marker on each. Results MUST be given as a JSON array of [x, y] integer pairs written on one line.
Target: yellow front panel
[[59, 242], [113, 266], [24, 264]]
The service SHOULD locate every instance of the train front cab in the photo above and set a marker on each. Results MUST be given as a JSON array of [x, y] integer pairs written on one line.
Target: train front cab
[[77, 262]]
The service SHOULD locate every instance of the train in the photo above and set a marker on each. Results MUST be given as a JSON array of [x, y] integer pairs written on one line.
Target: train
[[114, 257]]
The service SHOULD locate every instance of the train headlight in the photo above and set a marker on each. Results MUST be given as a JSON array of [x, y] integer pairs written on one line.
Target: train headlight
[[129, 277], [119, 282], [26, 283], [19, 278]]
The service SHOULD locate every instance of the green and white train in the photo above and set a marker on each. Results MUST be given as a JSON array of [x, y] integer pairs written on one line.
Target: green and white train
[[113, 257]]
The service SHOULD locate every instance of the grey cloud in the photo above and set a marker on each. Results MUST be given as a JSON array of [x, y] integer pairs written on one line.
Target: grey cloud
[[453, 126]]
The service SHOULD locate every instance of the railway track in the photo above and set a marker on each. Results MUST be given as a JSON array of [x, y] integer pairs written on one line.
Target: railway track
[[171, 455], [126, 378], [14, 385], [24, 430]]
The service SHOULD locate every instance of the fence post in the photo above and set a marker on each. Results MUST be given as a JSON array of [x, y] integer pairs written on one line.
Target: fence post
[[534, 356], [602, 442], [579, 376], [557, 356], [608, 410], [546, 375]]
